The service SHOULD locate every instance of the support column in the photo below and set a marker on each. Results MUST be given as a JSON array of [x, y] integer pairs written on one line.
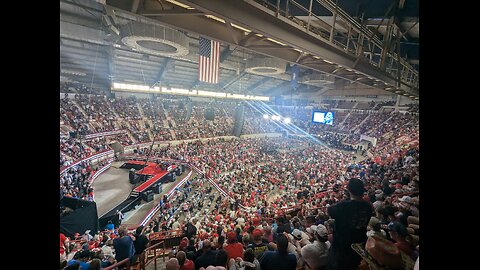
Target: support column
[[397, 103]]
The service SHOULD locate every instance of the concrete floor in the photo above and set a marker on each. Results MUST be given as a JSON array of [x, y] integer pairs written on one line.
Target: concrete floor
[[111, 188]]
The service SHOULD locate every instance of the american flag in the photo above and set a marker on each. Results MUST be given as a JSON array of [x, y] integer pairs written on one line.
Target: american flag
[[209, 61]]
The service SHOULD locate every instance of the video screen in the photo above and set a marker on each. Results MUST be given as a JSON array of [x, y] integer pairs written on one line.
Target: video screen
[[323, 117]]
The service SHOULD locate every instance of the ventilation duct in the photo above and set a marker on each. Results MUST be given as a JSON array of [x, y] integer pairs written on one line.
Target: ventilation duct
[[265, 66], [155, 39], [318, 79]]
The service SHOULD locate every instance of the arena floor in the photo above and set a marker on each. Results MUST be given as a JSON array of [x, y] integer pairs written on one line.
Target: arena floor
[[111, 188]]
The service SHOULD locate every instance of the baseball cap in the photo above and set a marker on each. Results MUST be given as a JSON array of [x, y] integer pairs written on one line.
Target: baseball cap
[[406, 199], [321, 230], [311, 229], [257, 232], [297, 234], [231, 236], [373, 221]]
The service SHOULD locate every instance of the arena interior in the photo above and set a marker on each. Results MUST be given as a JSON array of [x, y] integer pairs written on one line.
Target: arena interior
[[239, 134]]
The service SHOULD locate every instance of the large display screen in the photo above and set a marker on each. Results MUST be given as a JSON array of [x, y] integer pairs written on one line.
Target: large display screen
[[323, 117]]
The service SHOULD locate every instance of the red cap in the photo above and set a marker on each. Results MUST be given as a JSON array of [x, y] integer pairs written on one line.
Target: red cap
[[257, 232], [231, 236]]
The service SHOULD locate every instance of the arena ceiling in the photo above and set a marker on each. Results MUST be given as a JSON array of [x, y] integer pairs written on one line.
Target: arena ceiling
[[92, 51]]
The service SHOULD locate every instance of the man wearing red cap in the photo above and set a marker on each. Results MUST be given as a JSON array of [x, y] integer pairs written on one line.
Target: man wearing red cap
[[258, 246], [233, 248]]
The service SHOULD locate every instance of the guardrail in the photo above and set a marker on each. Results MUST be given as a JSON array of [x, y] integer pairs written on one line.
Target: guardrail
[[94, 156], [120, 263], [359, 41], [100, 171], [103, 134]]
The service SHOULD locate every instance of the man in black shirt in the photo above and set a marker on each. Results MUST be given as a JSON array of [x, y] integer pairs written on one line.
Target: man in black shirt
[[141, 240], [351, 220], [208, 257]]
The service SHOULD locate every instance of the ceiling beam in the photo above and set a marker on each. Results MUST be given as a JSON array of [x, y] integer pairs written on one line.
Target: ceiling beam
[[231, 31], [255, 19], [162, 71], [276, 87], [259, 83], [135, 4], [226, 53], [169, 12], [234, 79], [111, 56]]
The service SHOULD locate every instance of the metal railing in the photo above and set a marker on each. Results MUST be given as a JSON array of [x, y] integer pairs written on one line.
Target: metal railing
[[359, 41], [145, 258], [125, 262]]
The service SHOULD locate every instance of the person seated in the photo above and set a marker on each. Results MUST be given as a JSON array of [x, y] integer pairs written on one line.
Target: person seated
[[81, 257], [185, 264], [399, 235]]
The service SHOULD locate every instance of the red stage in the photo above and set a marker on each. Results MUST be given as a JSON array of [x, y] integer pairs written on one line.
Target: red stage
[[151, 169]]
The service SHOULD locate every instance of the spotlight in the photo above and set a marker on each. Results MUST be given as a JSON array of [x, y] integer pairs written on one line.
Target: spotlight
[[265, 116], [287, 120], [275, 117]]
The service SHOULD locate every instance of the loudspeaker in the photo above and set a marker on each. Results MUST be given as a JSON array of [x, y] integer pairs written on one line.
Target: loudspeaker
[[131, 174], [157, 188], [209, 114], [167, 178], [147, 196], [239, 120], [183, 168], [135, 179], [178, 171]]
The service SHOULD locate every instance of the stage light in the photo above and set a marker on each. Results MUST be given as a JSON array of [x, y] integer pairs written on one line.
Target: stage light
[[275, 117], [287, 120], [265, 116]]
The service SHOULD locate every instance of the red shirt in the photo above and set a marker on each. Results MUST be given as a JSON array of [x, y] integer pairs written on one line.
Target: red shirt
[[63, 238], [234, 250], [188, 265]]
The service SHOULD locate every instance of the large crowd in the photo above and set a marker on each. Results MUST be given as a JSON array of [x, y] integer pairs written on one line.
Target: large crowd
[[283, 194], [274, 196]]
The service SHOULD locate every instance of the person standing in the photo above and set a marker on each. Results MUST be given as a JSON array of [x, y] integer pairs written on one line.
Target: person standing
[[351, 220], [117, 219], [279, 259], [140, 243], [123, 245]]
